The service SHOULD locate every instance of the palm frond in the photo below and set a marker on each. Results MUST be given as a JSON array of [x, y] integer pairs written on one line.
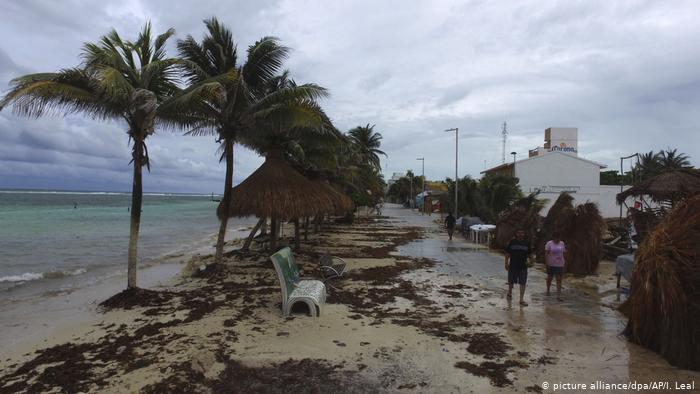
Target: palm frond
[[265, 59]]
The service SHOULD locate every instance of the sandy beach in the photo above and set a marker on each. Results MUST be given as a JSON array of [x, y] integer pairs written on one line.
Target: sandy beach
[[415, 313]]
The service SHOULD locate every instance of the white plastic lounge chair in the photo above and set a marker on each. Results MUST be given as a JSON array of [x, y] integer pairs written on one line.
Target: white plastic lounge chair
[[309, 291]]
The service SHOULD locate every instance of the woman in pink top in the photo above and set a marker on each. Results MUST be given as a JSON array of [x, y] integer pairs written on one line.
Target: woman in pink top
[[554, 257]]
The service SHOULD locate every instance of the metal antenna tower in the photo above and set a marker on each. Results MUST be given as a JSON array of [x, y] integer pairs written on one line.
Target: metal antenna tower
[[504, 134]]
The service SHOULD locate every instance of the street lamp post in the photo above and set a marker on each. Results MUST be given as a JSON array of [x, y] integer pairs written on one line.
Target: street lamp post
[[456, 130], [410, 194], [422, 159], [514, 154]]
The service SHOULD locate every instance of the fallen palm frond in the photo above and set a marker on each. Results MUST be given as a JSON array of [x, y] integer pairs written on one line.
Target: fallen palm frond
[[564, 202], [663, 308], [581, 229], [522, 214]]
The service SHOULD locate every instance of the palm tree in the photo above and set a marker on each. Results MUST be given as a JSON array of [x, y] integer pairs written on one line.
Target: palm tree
[[670, 159], [648, 165], [497, 192], [231, 100], [367, 142], [119, 80]]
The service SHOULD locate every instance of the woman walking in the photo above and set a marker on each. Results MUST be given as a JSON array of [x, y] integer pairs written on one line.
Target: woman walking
[[554, 258]]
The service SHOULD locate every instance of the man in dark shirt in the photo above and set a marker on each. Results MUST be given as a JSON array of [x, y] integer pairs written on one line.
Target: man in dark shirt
[[450, 224], [517, 253]]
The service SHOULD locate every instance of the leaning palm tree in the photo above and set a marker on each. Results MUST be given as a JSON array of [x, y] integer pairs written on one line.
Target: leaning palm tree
[[118, 80], [230, 100], [367, 142]]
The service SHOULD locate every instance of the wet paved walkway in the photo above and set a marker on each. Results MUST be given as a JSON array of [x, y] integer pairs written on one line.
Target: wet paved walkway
[[581, 334]]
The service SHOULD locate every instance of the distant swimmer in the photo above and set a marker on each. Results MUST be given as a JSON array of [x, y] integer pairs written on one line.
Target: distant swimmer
[[75, 205]]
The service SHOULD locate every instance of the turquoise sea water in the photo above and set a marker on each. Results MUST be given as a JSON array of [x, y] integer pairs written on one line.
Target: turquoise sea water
[[51, 241]]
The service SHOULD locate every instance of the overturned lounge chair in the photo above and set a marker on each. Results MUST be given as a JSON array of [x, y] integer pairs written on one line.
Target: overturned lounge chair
[[294, 289], [331, 267]]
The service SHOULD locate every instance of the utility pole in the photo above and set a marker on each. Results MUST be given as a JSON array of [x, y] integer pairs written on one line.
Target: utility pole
[[622, 178], [504, 135], [456, 130], [422, 159]]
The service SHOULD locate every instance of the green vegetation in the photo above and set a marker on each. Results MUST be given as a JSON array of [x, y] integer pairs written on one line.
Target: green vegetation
[[648, 165], [486, 197]]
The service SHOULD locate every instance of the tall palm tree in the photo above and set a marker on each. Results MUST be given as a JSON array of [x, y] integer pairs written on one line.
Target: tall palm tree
[[670, 159], [230, 100], [367, 142], [118, 80]]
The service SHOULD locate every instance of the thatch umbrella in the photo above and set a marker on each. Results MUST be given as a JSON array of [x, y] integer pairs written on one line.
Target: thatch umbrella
[[673, 185], [663, 308], [564, 201], [523, 213], [581, 229], [341, 202], [278, 191]]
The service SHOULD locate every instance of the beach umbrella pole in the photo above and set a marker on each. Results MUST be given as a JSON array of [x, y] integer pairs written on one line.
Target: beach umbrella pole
[[273, 230], [297, 241], [248, 240]]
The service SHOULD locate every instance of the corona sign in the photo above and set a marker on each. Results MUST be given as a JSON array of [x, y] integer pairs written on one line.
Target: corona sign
[[563, 148]]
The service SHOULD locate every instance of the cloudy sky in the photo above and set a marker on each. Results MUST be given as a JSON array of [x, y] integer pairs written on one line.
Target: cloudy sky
[[625, 73]]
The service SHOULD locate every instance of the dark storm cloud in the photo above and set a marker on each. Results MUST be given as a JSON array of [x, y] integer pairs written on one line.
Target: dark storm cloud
[[624, 73]]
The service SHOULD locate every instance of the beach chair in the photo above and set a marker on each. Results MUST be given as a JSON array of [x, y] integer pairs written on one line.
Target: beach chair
[[331, 267], [261, 241], [294, 289]]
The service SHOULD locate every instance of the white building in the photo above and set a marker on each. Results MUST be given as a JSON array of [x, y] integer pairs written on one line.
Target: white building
[[395, 177], [556, 167]]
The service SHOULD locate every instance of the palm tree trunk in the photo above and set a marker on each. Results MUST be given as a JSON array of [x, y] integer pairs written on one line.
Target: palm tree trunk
[[248, 240], [136, 202], [306, 229], [226, 201]]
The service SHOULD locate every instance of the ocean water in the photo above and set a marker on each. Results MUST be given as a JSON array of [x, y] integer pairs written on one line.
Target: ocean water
[[52, 242]]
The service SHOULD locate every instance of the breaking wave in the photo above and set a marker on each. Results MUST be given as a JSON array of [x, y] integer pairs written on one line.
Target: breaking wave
[[31, 276]]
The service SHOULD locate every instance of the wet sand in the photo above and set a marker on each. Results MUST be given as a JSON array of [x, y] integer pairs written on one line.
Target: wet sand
[[416, 313]]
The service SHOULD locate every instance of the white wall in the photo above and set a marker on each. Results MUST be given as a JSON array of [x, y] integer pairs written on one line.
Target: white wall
[[557, 172], [557, 169]]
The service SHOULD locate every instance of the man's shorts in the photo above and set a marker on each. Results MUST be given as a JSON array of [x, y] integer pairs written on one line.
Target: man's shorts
[[555, 270], [517, 276]]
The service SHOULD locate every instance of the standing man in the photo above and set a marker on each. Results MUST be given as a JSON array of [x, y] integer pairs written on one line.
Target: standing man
[[450, 222], [516, 256]]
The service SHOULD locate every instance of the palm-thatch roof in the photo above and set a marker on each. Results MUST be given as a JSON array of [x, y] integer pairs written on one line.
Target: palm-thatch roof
[[277, 190], [670, 185], [663, 308], [341, 202]]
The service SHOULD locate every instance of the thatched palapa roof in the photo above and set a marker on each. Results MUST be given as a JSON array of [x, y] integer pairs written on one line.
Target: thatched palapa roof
[[277, 190], [670, 185], [341, 202], [663, 308]]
